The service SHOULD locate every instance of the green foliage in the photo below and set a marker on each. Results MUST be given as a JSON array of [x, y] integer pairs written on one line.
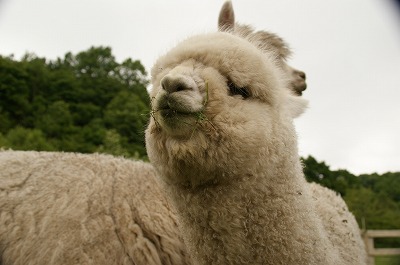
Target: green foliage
[[125, 113], [57, 120], [339, 180], [113, 144], [387, 260], [3, 141], [27, 139], [73, 103]]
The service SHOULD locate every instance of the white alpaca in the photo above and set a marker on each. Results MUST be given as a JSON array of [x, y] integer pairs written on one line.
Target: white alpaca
[[64, 208], [222, 140], [58, 208]]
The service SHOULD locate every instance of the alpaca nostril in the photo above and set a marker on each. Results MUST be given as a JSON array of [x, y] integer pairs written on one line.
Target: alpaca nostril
[[302, 74], [179, 87], [173, 84]]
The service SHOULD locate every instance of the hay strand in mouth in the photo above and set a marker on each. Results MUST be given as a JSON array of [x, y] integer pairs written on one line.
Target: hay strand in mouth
[[200, 116], [206, 99], [152, 113]]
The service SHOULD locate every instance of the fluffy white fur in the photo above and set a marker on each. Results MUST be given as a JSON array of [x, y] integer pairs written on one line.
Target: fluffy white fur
[[231, 166], [61, 208], [64, 208]]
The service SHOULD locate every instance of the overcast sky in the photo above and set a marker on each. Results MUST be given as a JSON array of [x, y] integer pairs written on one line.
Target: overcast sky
[[349, 49]]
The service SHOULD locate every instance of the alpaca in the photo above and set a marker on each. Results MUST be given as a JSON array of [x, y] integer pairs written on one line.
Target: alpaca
[[223, 142], [60, 208], [264, 40], [72, 236], [65, 208]]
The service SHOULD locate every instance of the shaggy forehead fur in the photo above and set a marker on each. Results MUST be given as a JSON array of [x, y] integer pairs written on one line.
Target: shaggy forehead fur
[[233, 57], [264, 40]]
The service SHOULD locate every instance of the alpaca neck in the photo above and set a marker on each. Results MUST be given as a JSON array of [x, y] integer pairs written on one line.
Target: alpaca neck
[[252, 220]]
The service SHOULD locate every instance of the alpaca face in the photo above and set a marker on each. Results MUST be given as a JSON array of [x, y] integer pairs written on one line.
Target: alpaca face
[[218, 104]]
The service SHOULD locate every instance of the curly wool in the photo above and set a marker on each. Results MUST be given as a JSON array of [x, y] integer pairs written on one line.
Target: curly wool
[[66, 208], [41, 224]]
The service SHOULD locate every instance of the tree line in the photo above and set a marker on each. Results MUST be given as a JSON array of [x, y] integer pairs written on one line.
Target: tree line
[[85, 102], [88, 102]]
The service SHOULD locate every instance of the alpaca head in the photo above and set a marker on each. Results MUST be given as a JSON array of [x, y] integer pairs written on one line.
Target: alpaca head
[[219, 106], [264, 40]]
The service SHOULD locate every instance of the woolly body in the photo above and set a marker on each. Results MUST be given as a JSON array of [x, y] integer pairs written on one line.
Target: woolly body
[[64, 208], [45, 216], [235, 175]]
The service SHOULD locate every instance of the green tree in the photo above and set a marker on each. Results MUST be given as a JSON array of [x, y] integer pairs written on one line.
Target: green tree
[[388, 183], [3, 141], [113, 144], [374, 211], [21, 138], [14, 93], [73, 101], [57, 121], [133, 75], [127, 114]]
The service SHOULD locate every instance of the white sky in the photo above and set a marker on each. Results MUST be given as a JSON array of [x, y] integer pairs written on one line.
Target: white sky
[[349, 49]]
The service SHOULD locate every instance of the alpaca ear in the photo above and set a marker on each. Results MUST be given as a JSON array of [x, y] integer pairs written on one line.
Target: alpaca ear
[[295, 105], [226, 19]]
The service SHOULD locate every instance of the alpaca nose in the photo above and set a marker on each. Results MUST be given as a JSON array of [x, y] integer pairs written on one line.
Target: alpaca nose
[[301, 74], [176, 83]]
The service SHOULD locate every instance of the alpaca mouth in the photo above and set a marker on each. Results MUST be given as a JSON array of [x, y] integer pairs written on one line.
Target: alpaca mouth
[[299, 86], [169, 110], [172, 107], [174, 121], [177, 114], [168, 113]]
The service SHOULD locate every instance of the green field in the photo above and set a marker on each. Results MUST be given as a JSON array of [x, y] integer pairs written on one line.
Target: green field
[[387, 260]]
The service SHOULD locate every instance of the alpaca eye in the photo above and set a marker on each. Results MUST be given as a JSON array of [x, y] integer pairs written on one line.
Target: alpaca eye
[[235, 90]]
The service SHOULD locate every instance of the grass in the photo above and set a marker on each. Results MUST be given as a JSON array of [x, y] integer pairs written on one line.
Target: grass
[[387, 260]]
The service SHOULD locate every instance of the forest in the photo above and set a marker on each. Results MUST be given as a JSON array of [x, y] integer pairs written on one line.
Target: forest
[[88, 102]]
